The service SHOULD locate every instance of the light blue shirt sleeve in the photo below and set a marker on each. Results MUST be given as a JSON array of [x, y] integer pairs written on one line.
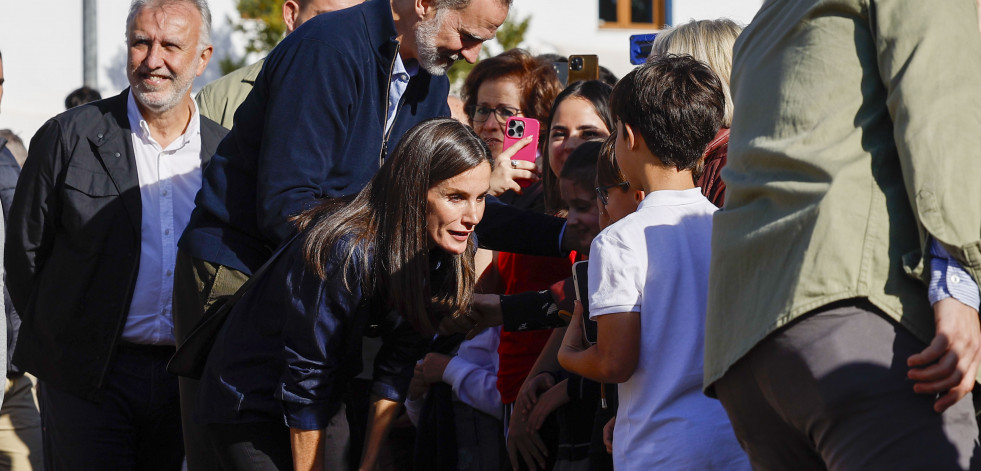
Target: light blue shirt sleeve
[[473, 372], [948, 279]]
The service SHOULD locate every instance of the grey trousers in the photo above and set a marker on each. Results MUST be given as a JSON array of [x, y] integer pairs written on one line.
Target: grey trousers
[[830, 392]]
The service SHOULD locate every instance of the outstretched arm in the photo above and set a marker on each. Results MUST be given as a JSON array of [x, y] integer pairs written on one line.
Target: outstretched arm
[[614, 357]]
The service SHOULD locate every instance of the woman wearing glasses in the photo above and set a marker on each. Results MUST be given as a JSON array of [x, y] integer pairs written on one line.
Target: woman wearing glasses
[[511, 84]]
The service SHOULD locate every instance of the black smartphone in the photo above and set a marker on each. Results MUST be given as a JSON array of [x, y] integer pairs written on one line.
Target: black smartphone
[[580, 274], [562, 70]]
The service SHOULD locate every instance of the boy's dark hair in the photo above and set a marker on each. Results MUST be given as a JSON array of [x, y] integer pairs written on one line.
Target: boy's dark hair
[[81, 96], [580, 167], [675, 103], [607, 169]]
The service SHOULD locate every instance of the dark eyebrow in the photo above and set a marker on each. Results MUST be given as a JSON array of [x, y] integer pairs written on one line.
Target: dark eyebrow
[[459, 191]]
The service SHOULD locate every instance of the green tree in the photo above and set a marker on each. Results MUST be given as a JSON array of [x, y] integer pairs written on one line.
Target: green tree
[[509, 36], [261, 23]]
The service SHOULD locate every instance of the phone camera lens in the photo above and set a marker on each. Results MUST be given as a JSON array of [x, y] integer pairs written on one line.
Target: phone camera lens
[[576, 63]]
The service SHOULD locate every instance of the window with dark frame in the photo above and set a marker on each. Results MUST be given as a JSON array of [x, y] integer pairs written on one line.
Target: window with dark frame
[[632, 13]]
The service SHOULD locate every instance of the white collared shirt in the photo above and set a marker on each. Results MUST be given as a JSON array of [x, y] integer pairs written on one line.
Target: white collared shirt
[[169, 180]]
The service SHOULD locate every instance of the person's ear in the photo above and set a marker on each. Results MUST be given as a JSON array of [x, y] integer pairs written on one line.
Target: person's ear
[[205, 58], [632, 139], [639, 196], [291, 10], [422, 8]]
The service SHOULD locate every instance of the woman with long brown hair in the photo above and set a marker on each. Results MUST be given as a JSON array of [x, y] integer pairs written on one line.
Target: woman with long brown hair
[[399, 255]]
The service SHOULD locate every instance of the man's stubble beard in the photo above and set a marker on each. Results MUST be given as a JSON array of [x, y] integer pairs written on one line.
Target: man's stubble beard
[[430, 58], [179, 85]]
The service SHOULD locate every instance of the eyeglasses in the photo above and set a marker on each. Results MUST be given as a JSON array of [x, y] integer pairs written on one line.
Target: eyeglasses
[[604, 191], [481, 113]]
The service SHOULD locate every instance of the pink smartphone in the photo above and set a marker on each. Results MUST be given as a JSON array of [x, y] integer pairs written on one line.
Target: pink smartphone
[[517, 129]]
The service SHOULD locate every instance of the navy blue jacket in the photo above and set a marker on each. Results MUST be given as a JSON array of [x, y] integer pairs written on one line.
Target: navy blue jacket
[[298, 363], [314, 127]]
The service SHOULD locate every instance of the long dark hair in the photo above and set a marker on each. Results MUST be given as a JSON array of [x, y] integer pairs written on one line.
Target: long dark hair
[[387, 222], [596, 93]]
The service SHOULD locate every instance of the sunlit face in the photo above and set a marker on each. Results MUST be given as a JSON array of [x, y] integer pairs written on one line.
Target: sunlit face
[[630, 165], [583, 217], [495, 94], [164, 56], [604, 216], [574, 121], [454, 207], [446, 35], [621, 202]]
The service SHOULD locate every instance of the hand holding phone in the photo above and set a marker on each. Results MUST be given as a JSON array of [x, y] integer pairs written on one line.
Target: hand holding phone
[[516, 129]]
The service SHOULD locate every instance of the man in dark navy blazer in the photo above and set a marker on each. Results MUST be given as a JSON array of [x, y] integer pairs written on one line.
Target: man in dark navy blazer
[[105, 192]]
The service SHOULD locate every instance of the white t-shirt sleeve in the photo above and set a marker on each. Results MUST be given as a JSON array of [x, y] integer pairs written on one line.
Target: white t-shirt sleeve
[[616, 276]]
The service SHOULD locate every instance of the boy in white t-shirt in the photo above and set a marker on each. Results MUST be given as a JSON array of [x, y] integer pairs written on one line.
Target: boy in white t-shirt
[[648, 277]]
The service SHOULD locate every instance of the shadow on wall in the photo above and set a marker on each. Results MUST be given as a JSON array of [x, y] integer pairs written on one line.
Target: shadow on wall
[[221, 37]]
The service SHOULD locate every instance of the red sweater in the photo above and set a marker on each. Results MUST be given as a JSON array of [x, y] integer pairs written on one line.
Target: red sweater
[[519, 350], [716, 155]]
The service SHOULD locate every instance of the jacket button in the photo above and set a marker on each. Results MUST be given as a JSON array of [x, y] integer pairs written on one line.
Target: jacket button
[[100, 136], [116, 154]]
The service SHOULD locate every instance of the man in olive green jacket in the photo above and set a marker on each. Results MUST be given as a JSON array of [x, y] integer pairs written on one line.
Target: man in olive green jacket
[[842, 327]]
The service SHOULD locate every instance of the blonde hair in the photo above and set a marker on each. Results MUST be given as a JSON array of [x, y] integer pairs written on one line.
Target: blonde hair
[[709, 41]]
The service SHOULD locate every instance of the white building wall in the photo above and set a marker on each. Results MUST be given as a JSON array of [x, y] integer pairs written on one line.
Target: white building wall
[[569, 27], [41, 43]]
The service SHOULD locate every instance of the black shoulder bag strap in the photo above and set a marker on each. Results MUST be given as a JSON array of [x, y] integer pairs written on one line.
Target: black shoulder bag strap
[[192, 354]]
